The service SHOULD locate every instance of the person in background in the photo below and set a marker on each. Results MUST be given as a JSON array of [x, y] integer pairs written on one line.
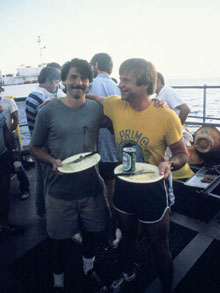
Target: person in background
[[75, 201], [104, 86], [173, 101], [60, 90], [150, 130], [176, 103], [7, 150], [55, 65], [10, 111], [48, 79]]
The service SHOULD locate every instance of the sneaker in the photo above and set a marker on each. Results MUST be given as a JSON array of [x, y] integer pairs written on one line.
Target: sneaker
[[95, 282], [25, 195], [115, 243], [121, 284], [77, 238]]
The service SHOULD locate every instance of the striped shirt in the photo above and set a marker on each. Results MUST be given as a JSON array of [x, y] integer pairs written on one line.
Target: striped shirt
[[33, 101]]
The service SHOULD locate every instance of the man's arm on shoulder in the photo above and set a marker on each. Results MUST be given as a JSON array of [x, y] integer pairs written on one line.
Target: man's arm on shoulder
[[98, 99], [158, 102], [184, 111], [48, 101]]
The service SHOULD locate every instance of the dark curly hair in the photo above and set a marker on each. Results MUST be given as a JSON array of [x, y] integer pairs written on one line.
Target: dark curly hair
[[82, 67]]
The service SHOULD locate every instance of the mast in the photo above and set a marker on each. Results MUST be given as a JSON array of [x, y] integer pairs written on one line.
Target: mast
[[40, 49]]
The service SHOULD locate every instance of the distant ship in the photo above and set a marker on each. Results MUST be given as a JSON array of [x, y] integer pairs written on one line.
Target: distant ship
[[24, 75]]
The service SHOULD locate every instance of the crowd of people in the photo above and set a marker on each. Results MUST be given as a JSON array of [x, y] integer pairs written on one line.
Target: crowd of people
[[92, 113]]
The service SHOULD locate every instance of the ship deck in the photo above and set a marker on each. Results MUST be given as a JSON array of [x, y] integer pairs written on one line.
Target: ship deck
[[25, 261]]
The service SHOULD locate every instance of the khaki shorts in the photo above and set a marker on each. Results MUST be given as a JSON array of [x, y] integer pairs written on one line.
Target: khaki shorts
[[65, 218]]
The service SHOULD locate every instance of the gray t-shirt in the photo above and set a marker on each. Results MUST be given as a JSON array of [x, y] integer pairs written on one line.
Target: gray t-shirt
[[70, 131]]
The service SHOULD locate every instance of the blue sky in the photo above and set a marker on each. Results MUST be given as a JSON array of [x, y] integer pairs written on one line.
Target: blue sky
[[181, 37]]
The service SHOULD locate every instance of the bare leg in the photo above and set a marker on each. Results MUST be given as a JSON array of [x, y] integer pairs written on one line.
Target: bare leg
[[158, 235], [128, 225]]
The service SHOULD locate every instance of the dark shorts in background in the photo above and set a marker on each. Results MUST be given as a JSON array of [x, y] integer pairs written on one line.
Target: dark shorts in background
[[65, 218], [106, 170], [148, 202]]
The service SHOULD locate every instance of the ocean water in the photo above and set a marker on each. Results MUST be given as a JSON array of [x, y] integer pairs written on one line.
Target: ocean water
[[193, 97]]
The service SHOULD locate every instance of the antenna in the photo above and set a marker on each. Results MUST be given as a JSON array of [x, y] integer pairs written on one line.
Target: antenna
[[40, 49]]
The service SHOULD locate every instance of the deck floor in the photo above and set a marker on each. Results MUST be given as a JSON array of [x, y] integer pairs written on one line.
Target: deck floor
[[23, 213]]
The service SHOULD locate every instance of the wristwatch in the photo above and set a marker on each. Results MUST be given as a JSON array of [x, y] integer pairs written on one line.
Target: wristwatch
[[171, 165], [14, 150]]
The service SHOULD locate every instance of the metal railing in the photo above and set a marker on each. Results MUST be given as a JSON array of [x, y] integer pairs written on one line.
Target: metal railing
[[203, 117]]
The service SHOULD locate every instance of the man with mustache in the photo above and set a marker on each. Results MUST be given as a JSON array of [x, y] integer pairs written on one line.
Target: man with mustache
[[75, 201]]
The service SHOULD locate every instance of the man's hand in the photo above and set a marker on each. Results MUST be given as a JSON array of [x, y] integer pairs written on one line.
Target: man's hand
[[96, 98], [1, 108], [46, 102], [164, 169], [57, 163], [159, 103], [177, 161], [43, 156]]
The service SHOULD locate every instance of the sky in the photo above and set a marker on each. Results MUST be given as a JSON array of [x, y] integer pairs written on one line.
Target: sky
[[180, 37]]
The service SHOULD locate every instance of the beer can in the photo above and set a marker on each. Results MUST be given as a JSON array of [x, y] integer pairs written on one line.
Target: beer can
[[129, 159]]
